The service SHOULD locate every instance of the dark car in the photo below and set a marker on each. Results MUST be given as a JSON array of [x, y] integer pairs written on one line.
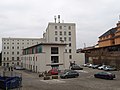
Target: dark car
[[104, 75], [76, 67], [69, 74]]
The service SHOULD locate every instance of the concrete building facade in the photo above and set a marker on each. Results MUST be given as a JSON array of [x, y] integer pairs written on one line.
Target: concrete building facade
[[63, 33], [44, 56], [58, 35], [12, 49]]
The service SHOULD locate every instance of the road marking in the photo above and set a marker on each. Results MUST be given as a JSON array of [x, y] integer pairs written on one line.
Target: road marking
[[53, 81]]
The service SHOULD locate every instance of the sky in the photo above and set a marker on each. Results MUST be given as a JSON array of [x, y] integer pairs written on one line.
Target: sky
[[29, 18]]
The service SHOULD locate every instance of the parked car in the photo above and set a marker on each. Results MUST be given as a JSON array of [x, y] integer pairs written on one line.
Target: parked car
[[76, 67], [109, 68], [90, 65], [102, 67], [95, 66], [53, 71], [19, 68], [84, 65], [104, 75], [69, 74]]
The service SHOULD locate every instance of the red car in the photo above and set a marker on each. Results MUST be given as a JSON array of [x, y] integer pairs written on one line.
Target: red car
[[53, 72]]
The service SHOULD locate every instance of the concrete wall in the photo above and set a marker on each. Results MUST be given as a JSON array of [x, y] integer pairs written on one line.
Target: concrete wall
[[9, 43]]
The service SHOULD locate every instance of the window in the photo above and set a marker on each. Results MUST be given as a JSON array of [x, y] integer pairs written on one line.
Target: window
[[12, 53], [17, 63], [12, 43], [60, 38], [4, 43], [4, 47], [69, 33], [69, 27], [66, 50], [69, 44], [54, 50], [64, 32], [17, 43], [12, 58], [55, 27], [56, 39], [7, 47], [12, 47], [4, 52], [7, 52], [17, 58], [69, 50], [36, 58], [69, 38], [60, 32], [33, 58], [17, 47], [54, 59], [65, 39], [4, 58], [60, 27], [70, 56], [55, 32], [7, 58], [7, 43]]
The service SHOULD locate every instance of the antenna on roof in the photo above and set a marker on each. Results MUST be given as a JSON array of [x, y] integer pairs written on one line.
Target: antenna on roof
[[55, 18], [119, 19], [58, 18]]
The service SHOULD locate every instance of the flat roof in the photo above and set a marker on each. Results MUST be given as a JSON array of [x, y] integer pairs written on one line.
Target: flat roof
[[46, 44]]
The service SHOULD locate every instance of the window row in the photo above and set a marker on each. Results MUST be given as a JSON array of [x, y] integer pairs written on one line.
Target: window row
[[8, 64], [63, 27], [62, 33], [13, 58], [33, 50], [29, 58], [70, 51], [16, 40], [62, 39], [21, 43], [7, 47], [12, 53]]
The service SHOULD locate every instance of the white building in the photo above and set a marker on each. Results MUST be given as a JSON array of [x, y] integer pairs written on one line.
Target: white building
[[58, 35], [42, 57], [62, 33], [12, 49]]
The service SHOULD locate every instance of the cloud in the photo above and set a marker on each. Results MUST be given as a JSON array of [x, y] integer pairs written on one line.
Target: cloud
[[92, 17]]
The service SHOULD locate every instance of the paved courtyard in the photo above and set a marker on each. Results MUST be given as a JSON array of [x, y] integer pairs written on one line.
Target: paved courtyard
[[85, 81]]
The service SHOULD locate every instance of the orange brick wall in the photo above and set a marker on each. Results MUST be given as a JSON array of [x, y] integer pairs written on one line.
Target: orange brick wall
[[105, 43]]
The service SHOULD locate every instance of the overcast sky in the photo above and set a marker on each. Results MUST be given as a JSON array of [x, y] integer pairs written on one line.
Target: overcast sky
[[29, 18]]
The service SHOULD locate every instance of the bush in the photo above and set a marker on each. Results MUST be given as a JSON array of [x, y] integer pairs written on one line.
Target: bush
[[46, 78], [54, 77]]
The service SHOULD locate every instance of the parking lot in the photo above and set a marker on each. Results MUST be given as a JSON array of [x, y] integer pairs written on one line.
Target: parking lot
[[86, 81]]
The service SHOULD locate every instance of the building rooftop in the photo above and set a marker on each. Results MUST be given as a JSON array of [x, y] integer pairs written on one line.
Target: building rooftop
[[111, 31], [46, 44]]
